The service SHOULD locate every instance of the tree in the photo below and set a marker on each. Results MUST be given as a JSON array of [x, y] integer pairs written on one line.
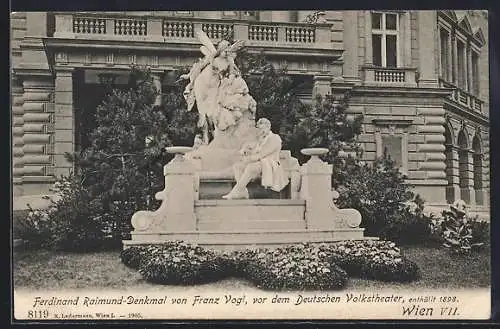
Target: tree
[[122, 167]]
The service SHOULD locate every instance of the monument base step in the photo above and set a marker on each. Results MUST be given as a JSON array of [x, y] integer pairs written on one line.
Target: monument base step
[[215, 188], [247, 239], [251, 214]]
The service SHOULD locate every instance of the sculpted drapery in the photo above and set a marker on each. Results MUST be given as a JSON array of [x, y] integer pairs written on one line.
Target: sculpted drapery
[[218, 90]]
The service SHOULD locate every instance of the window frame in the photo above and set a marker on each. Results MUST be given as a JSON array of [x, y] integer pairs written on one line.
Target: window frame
[[384, 32], [456, 33], [475, 76], [239, 14], [462, 64], [397, 128], [446, 73]]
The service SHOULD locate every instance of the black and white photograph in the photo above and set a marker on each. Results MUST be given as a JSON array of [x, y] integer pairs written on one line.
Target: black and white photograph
[[267, 164]]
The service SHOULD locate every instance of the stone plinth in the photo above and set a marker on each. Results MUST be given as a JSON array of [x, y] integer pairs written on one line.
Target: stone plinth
[[213, 189], [252, 214], [176, 212], [223, 239], [193, 211], [321, 212]]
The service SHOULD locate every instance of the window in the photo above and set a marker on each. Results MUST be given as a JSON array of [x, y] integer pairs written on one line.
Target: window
[[462, 65], [475, 73], [232, 13], [183, 13], [385, 43], [249, 15], [445, 54], [392, 146]]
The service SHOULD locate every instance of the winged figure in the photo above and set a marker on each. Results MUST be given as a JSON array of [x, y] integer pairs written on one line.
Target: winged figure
[[205, 77]]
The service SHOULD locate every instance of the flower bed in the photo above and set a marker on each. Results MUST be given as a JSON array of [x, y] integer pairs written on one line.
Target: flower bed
[[295, 267], [378, 260], [180, 263], [133, 256]]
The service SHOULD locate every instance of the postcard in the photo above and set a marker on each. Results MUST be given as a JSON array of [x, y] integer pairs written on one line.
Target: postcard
[[287, 164]]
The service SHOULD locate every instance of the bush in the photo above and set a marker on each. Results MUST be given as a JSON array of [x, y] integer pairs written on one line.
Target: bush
[[410, 225], [26, 226], [20, 227], [377, 191], [460, 232], [72, 222], [376, 260], [181, 263], [238, 260], [299, 267], [481, 231], [133, 257]]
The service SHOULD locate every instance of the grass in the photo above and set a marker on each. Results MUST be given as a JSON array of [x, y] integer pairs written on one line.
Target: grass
[[35, 270], [440, 270]]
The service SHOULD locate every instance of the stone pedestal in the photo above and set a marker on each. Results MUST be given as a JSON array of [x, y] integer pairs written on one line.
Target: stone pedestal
[[316, 190], [188, 213], [176, 213], [321, 212]]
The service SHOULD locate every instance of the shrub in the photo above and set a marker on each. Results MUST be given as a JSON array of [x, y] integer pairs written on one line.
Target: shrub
[[27, 226], [371, 259], [298, 267], [181, 263], [480, 231], [458, 230], [134, 256], [20, 227], [72, 222], [377, 191], [238, 260], [410, 225]]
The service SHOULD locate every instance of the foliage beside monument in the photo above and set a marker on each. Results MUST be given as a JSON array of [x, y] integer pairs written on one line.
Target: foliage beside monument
[[294, 267], [297, 267], [378, 191], [177, 263], [375, 260], [461, 233], [123, 166], [72, 222]]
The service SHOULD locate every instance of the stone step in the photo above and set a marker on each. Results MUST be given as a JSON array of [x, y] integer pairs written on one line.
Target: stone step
[[211, 189], [238, 225], [253, 213], [249, 202], [246, 238]]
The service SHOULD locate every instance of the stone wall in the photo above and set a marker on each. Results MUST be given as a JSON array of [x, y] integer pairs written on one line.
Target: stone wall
[[419, 123]]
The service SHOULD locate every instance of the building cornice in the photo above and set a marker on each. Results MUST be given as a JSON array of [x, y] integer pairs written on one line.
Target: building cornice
[[392, 122], [26, 71], [388, 91], [53, 44], [463, 112]]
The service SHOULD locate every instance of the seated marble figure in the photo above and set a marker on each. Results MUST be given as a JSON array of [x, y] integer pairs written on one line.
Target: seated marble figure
[[260, 159]]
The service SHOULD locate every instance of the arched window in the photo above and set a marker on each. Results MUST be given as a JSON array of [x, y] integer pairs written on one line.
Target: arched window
[[478, 168], [463, 163], [450, 193]]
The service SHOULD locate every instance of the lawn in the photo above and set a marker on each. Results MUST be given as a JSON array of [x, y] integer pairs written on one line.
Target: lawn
[[35, 270]]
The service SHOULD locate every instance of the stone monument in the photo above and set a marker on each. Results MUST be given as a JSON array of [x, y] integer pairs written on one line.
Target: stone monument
[[235, 187]]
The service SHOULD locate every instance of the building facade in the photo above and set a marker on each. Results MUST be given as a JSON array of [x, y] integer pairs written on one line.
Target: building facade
[[420, 79]]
